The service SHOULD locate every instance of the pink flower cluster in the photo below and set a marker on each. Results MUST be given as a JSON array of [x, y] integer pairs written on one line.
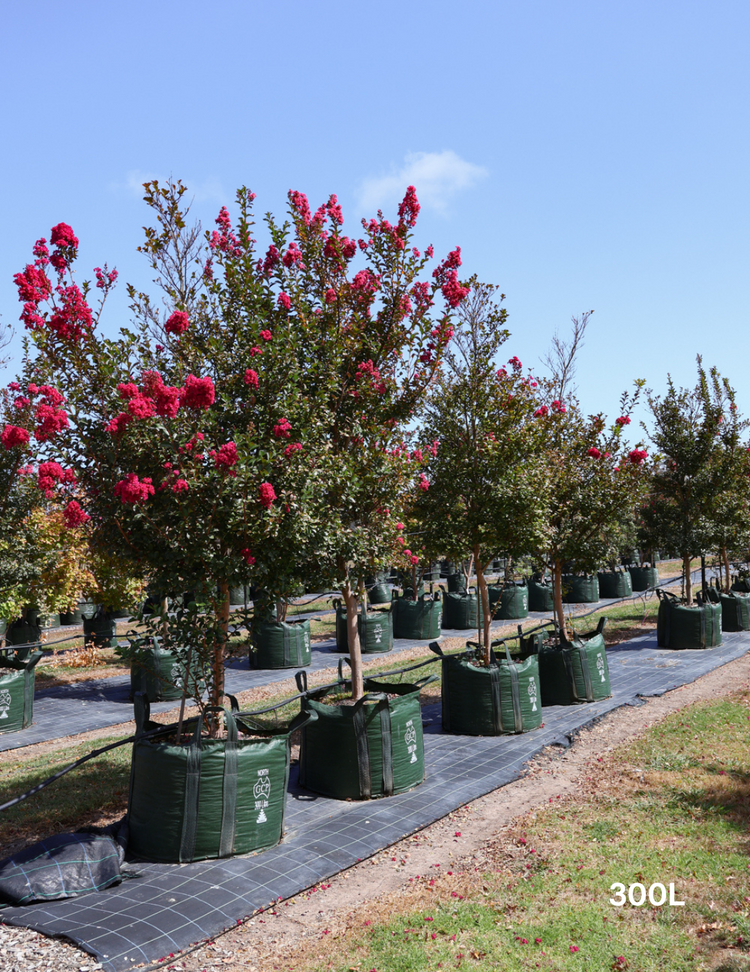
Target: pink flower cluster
[[247, 556], [541, 412], [74, 516], [282, 429], [594, 453], [225, 457], [49, 474], [623, 420], [131, 490], [637, 456], [409, 207], [177, 323], [292, 448], [50, 418], [515, 363], [266, 495], [251, 378], [198, 393], [224, 239], [367, 370], [424, 482], [559, 407], [12, 436]]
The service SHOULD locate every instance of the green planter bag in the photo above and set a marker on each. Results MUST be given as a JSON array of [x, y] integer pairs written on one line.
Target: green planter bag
[[375, 631], [460, 611], [102, 631], [160, 674], [17, 691], [281, 644], [614, 583], [479, 701], [540, 596], [741, 584], [212, 798], [513, 602], [735, 608], [24, 634], [372, 748], [576, 671], [457, 582], [580, 589], [644, 577], [679, 626], [379, 594], [418, 619]]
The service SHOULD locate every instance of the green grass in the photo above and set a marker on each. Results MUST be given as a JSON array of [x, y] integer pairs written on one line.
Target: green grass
[[672, 808], [97, 789]]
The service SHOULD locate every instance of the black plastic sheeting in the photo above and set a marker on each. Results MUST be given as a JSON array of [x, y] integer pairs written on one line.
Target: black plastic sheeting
[[166, 908]]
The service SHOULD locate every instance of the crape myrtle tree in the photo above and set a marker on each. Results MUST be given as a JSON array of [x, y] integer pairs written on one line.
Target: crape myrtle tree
[[593, 479], [263, 437], [488, 486], [173, 445], [369, 340], [698, 499]]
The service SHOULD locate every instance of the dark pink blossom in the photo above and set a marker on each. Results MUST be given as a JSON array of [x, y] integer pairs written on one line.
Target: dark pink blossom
[[594, 453], [177, 323], [266, 495], [251, 378], [50, 421], [331, 296], [12, 436], [247, 555], [623, 420], [293, 256], [559, 407], [284, 301], [266, 335], [33, 285], [49, 474], [298, 201], [424, 482], [541, 412], [119, 423], [131, 490], [63, 235], [409, 207], [141, 407], [198, 393], [292, 448], [180, 486], [515, 363], [282, 429], [74, 516], [637, 456], [226, 456], [255, 350], [21, 402]]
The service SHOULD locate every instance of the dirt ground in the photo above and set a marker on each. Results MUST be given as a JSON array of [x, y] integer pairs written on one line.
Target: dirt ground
[[296, 932]]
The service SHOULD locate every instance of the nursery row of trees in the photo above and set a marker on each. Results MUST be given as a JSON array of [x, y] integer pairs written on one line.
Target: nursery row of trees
[[315, 412]]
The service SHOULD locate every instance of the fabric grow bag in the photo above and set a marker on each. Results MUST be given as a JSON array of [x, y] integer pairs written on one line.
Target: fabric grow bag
[[540, 595], [457, 582], [25, 635], [418, 619], [741, 584], [614, 583], [735, 609], [159, 674], [479, 701], [281, 644], [17, 678], [643, 577], [513, 602], [372, 748], [460, 611], [101, 630], [679, 626], [375, 631], [379, 594], [211, 798], [576, 671], [580, 589]]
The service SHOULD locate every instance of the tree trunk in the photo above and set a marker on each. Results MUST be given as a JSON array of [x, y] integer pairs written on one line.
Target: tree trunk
[[217, 662], [725, 560], [559, 610], [688, 578], [484, 606], [352, 639]]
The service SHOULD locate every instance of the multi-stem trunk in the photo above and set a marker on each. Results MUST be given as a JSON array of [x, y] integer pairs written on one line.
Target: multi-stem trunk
[[557, 600], [483, 607], [352, 639], [688, 578]]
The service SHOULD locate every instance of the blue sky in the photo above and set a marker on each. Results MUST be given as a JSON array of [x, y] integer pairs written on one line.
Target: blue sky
[[583, 154]]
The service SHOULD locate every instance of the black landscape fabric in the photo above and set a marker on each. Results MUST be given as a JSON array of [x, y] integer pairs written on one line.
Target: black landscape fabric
[[168, 907]]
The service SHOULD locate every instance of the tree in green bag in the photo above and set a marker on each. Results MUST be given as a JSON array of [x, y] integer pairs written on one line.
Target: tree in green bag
[[480, 700], [488, 485]]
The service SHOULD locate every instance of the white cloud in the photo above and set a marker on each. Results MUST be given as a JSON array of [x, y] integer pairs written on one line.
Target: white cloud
[[437, 177]]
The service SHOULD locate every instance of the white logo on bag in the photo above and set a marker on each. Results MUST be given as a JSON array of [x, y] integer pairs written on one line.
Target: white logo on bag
[[175, 674], [5, 701], [532, 694], [378, 629], [261, 792], [410, 738], [600, 667]]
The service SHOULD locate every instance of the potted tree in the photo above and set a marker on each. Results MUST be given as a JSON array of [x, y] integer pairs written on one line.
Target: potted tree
[[488, 493]]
